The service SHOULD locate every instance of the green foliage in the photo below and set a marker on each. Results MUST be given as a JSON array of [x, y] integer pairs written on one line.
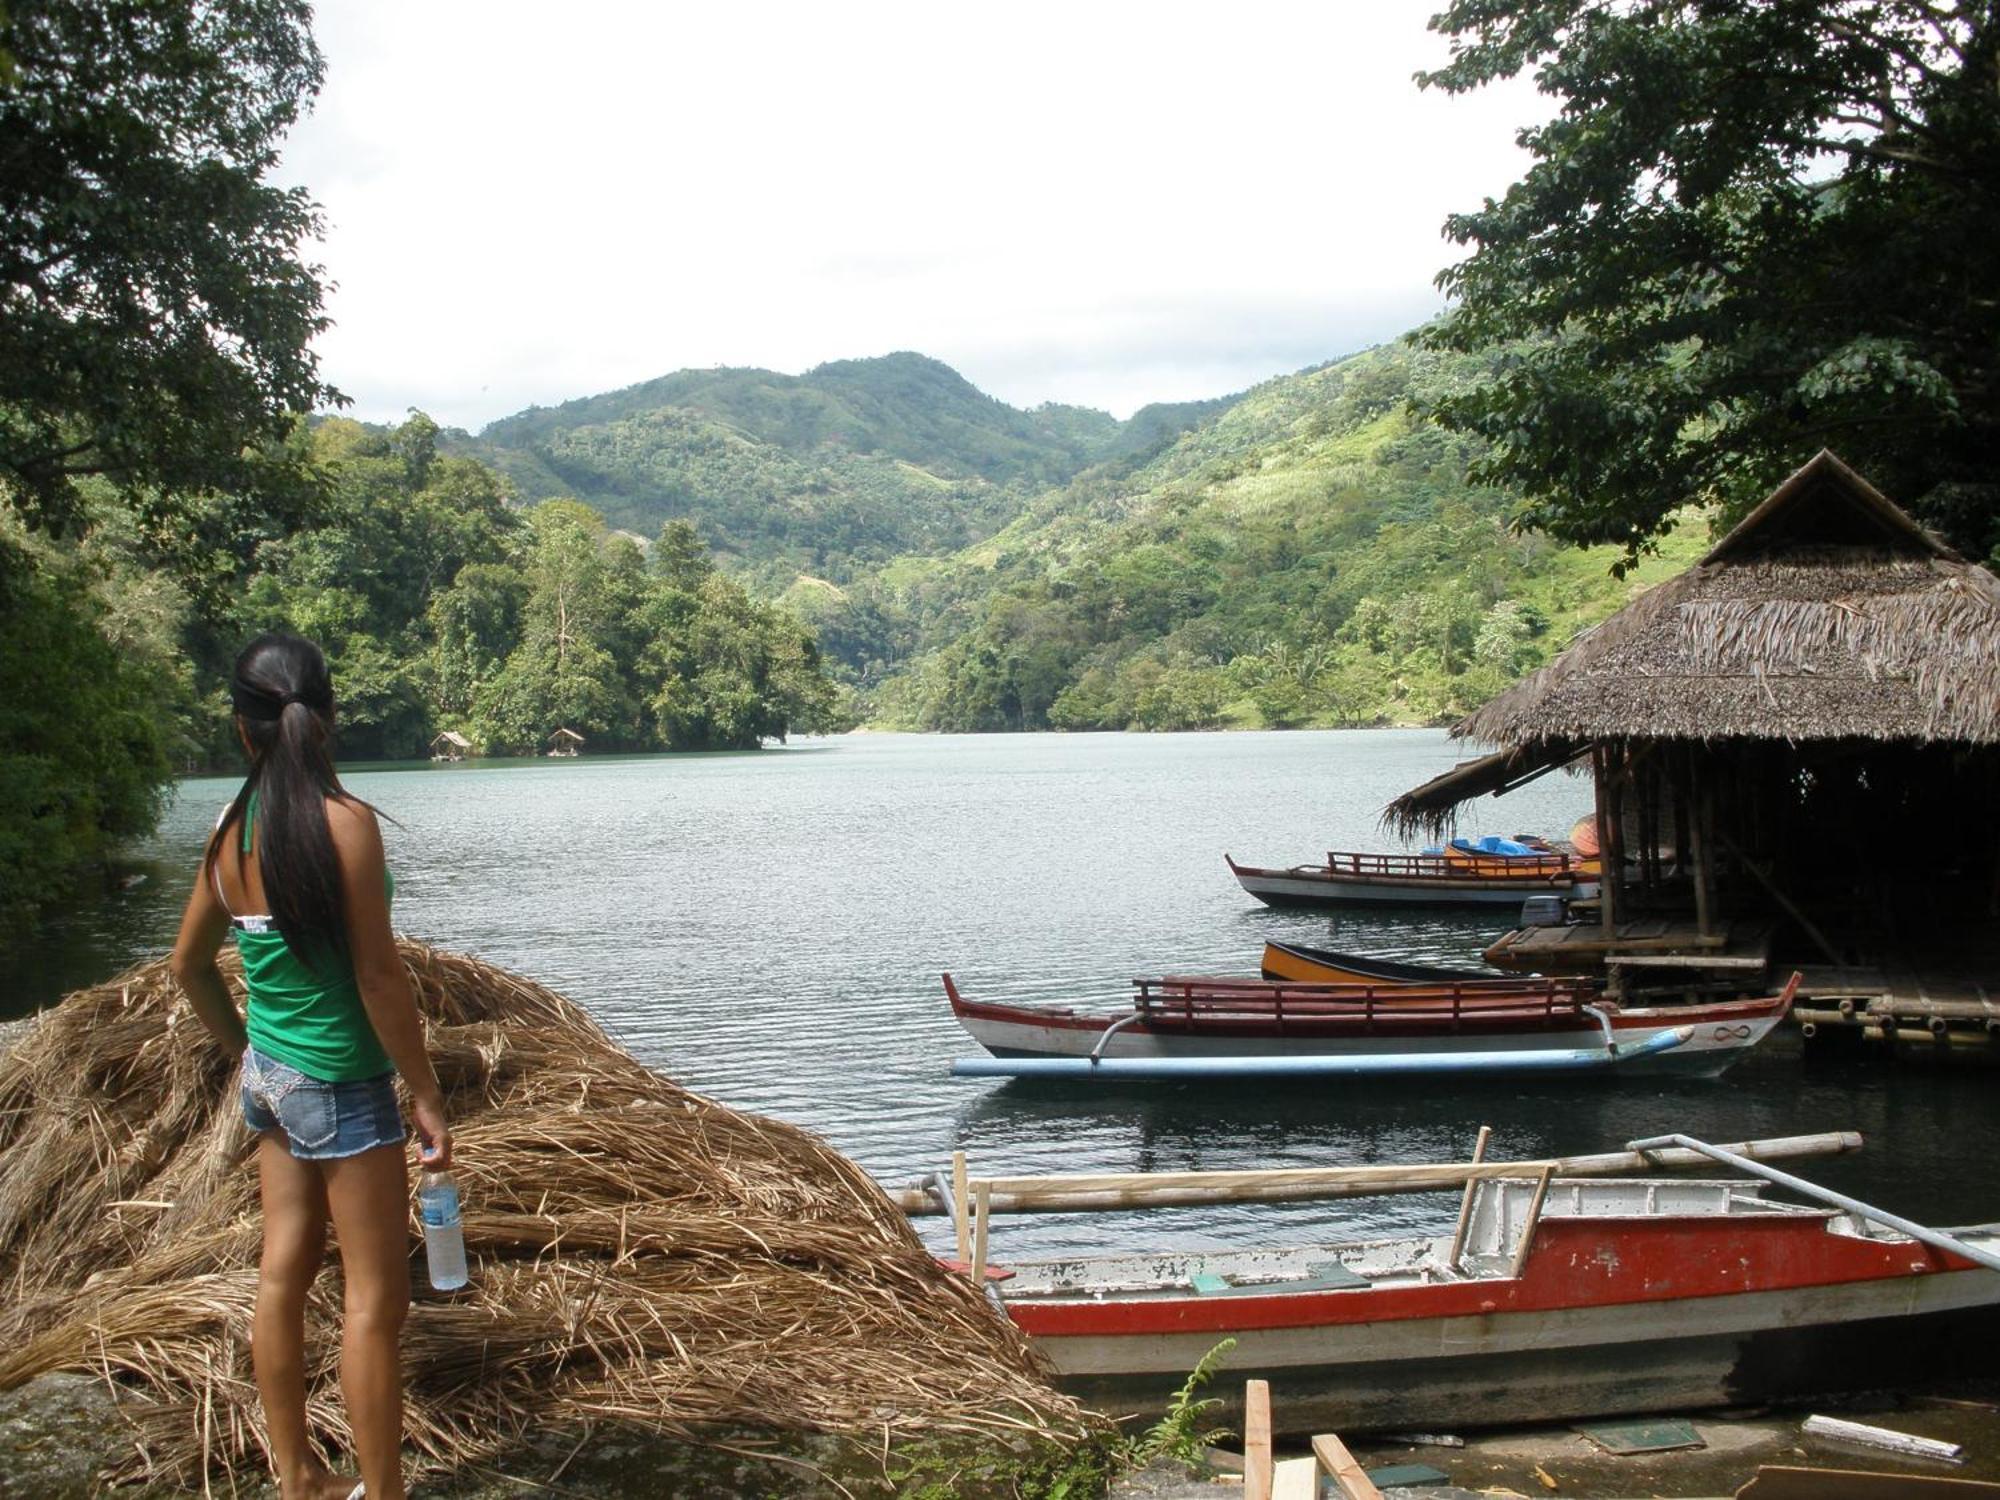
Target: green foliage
[[1184, 1432], [1025, 1469], [1313, 556], [442, 606], [1751, 231], [82, 752], [154, 313], [828, 473]]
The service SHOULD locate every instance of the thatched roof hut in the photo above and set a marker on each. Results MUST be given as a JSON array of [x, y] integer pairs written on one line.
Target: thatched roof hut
[[565, 741], [1827, 613], [1826, 678]]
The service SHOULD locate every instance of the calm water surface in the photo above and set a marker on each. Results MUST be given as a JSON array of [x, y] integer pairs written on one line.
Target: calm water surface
[[769, 929]]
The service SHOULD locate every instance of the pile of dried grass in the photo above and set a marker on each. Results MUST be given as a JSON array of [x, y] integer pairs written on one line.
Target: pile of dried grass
[[641, 1253]]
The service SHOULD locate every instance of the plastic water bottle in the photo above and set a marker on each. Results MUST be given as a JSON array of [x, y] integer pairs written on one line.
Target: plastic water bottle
[[444, 1235]]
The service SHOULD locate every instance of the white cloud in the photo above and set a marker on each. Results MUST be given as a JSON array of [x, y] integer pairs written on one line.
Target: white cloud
[[1109, 203]]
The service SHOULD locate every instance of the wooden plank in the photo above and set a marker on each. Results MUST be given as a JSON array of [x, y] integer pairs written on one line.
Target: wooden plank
[[1350, 1480], [961, 1204], [1295, 1479], [1465, 1203], [1534, 1222], [1257, 1440], [1841, 1430], [981, 1217]]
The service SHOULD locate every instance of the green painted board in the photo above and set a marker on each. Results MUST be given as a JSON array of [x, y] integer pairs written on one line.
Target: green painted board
[[1331, 1276], [1331, 1273], [1657, 1436]]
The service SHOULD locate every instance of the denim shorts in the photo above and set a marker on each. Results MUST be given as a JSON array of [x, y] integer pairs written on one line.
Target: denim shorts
[[322, 1121]]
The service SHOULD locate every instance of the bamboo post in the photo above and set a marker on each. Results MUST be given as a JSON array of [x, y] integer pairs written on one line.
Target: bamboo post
[[1465, 1206], [1683, 805], [1698, 826], [1256, 1440], [1607, 896], [1349, 1478], [982, 1211], [961, 1206]]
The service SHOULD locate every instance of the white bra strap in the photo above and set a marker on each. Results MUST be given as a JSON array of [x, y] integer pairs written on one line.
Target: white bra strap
[[215, 869]]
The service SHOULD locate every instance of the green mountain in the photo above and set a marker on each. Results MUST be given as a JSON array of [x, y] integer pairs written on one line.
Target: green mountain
[[1311, 554], [1306, 553], [828, 473]]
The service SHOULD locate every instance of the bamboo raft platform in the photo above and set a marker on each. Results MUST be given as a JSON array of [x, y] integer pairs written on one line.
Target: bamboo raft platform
[[1928, 1006], [1939, 1009], [1742, 950]]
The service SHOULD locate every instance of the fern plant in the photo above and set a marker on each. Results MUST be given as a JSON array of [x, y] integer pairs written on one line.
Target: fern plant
[[1181, 1435]]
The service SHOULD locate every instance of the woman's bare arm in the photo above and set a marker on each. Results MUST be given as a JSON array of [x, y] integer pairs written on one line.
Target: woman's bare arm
[[203, 926], [379, 973]]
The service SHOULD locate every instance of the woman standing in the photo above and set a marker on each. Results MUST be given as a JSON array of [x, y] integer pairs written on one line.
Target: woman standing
[[295, 868]]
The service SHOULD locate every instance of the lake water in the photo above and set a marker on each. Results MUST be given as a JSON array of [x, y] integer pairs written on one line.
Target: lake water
[[769, 929]]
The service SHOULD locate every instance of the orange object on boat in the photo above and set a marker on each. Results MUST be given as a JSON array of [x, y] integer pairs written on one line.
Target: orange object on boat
[[1583, 837]]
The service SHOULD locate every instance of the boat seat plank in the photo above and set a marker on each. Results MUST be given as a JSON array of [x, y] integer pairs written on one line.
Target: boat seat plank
[[1327, 1276]]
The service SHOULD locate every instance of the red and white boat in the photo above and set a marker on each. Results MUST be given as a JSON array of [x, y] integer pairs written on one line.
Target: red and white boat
[[1474, 1025], [1584, 1298]]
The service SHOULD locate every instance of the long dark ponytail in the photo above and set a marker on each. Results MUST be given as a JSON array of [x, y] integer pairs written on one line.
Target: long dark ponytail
[[283, 696]]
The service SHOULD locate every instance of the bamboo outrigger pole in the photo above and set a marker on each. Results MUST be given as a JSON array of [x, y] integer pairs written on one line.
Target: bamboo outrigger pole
[[1111, 1190]]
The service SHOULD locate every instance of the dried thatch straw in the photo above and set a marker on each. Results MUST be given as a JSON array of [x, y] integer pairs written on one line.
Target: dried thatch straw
[[1820, 644], [641, 1253], [1826, 614]]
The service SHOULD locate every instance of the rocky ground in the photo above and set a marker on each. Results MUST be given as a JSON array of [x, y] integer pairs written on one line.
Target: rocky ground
[[59, 1434]]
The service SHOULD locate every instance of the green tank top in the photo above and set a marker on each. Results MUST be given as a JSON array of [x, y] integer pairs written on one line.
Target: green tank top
[[313, 1021]]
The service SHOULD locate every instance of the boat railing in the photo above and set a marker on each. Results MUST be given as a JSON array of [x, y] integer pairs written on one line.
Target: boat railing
[[1193, 1002], [1457, 865]]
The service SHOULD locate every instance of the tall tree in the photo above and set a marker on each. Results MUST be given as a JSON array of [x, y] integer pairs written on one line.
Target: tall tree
[[1752, 229], [154, 309]]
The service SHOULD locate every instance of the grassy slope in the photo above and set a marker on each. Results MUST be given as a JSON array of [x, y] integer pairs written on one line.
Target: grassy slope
[[1311, 515]]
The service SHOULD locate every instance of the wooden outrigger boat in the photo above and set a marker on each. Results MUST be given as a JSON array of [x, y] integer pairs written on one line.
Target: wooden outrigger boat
[[1555, 1298], [1302, 965], [1236, 1028], [1453, 878]]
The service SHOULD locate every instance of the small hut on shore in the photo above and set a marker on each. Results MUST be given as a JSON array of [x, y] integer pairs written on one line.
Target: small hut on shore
[[565, 742], [1796, 749], [450, 745]]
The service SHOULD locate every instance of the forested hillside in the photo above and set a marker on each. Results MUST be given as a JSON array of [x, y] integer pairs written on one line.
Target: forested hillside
[[1312, 555], [829, 473]]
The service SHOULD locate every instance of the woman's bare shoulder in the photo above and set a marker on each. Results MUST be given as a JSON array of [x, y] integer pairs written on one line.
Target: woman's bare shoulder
[[350, 820]]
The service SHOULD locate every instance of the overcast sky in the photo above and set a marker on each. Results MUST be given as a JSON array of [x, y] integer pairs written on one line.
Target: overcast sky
[[1101, 203]]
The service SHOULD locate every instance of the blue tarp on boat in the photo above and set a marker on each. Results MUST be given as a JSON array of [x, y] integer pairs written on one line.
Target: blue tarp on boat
[[1494, 844]]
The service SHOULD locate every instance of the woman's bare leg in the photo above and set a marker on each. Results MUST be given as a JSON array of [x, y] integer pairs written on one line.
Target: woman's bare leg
[[295, 1211], [370, 1198]]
